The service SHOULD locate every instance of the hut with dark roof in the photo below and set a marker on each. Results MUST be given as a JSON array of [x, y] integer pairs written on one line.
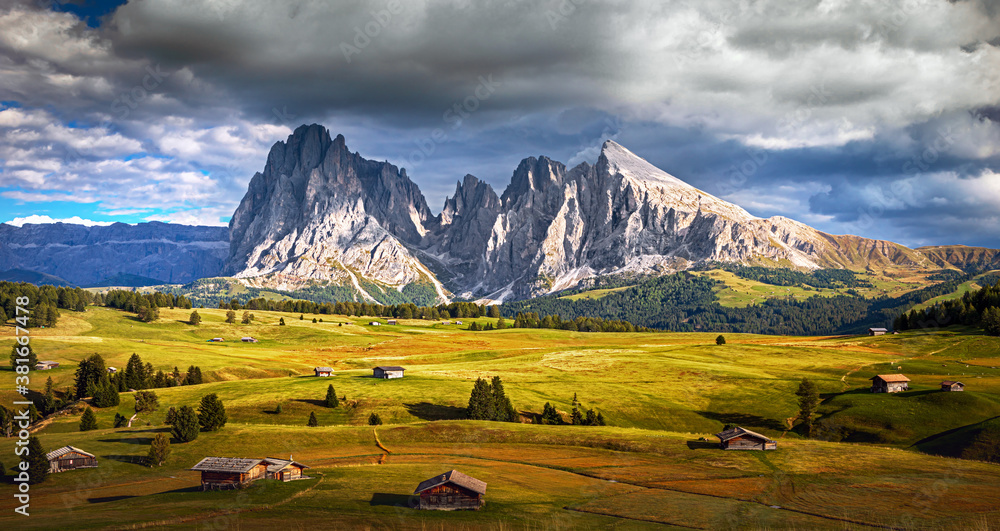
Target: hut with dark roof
[[284, 469], [70, 458], [229, 472], [743, 439], [949, 385], [387, 371], [889, 383], [451, 491]]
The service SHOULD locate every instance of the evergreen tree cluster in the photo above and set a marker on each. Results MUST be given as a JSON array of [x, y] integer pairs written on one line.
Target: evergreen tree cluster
[[579, 418], [92, 378], [489, 401], [186, 423], [974, 308], [44, 303]]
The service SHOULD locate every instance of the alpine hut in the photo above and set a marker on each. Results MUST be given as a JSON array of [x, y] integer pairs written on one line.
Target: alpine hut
[[70, 458], [284, 469], [877, 331], [451, 491], [46, 365], [889, 383], [229, 472], [948, 385], [388, 372], [743, 439], [323, 371]]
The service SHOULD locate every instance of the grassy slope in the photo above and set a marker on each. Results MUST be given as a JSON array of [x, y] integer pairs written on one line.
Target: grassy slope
[[660, 391]]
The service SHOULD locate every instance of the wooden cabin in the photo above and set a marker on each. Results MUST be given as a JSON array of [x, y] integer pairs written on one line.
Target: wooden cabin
[[391, 321], [743, 439], [229, 472], [284, 469], [458, 322], [112, 370], [374, 323], [46, 365], [948, 385], [388, 372], [216, 340], [248, 339], [889, 383], [451, 491], [877, 331], [323, 371], [70, 458]]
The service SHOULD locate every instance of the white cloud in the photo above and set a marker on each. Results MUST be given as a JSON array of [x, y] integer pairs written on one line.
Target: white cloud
[[76, 220]]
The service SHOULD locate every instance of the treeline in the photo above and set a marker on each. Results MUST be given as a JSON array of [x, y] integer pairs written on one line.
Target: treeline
[[580, 324], [93, 379], [146, 306], [686, 302], [974, 308], [820, 278], [366, 309], [44, 302]]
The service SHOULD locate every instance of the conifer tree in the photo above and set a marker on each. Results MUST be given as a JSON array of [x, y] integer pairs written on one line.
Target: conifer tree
[[185, 425], [808, 400], [374, 420], [503, 410], [30, 359], [195, 318], [550, 415], [230, 317], [38, 464], [481, 401], [159, 450], [721, 340], [211, 413], [312, 419], [171, 416], [331, 397], [577, 418], [89, 420]]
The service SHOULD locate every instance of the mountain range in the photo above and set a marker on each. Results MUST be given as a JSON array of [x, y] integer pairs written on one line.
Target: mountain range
[[320, 215]]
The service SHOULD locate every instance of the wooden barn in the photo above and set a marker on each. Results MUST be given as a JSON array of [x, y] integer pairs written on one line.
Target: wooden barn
[[743, 439], [889, 383], [877, 331], [284, 469], [229, 472], [388, 372], [248, 339], [374, 323], [46, 365], [948, 385], [323, 371], [391, 321], [451, 491], [70, 458]]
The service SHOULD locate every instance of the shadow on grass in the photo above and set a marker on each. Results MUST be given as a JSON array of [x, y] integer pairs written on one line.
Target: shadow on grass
[[391, 500], [106, 499], [310, 401], [196, 488], [428, 411], [133, 459], [744, 420], [703, 445], [145, 441]]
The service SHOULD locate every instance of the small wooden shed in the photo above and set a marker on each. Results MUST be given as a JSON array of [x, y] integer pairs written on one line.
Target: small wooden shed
[[388, 372], [743, 439], [889, 383], [323, 371], [70, 458], [949, 385], [374, 323], [877, 331], [248, 339], [46, 365], [451, 491], [391, 321], [229, 472], [284, 469]]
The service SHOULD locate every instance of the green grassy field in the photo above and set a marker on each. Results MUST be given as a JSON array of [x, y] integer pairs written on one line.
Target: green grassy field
[[662, 393]]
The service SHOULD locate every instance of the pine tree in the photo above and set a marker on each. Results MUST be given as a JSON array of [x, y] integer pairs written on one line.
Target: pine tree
[[145, 401], [577, 418], [991, 321], [195, 318], [281, 321], [38, 464], [211, 413], [88, 374], [331, 397], [105, 393], [247, 318], [501, 324], [591, 419], [600, 420], [312, 419], [721, 340], [135, 373], [481, 401], [503, 410], [314, 319], [230, 317], [374, 420], [171, 416], [301, 317], [120, 420], [159, 450], [550, 415], [277, 409], [808, 400], [89, 420], [185, 426]]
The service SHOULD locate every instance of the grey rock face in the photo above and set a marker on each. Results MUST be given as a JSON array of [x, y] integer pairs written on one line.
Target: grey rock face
[[87, 255]]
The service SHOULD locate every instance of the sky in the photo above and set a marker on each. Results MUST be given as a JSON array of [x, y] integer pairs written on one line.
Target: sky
[[872, 117]]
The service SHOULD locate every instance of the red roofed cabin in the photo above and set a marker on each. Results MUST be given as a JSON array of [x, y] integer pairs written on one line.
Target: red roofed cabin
[[70, 458], [889, 383], [742, 439], [229, 472], [284, 469], [451, 491], [952, 386]]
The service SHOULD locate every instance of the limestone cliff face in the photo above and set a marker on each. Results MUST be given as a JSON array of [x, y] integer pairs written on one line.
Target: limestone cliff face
[[319, 213]]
